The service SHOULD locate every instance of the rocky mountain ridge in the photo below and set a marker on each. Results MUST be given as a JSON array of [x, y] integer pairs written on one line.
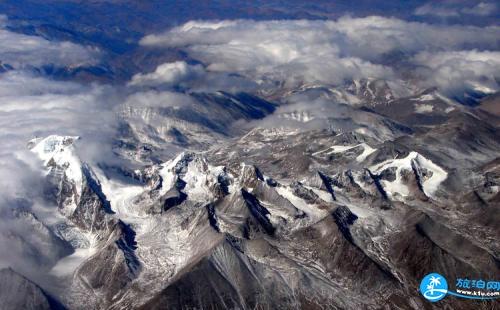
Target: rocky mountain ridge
[[194, 225]]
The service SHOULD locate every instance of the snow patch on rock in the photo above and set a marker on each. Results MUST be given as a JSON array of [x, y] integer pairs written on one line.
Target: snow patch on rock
[[429, 185], [424, 108], [335, 149]]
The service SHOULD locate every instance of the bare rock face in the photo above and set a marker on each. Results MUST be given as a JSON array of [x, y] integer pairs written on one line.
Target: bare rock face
[[17, 292], [114, 265], [93, 210]]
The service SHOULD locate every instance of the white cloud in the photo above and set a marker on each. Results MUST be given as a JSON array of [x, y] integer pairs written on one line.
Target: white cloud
[[481, 9], [155, 98], [21, 51], [432, 9], [36, 106], [276, 50], [171, 73], [284, 41], [302, 51], [294, 52], [374, 36], [457, 71], [456, 9]]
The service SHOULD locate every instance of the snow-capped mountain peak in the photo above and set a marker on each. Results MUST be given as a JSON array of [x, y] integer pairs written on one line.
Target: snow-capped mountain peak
[[59, 151]]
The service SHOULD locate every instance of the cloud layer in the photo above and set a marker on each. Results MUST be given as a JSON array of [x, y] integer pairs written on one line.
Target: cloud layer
[[294, 52], [36, 106], [460, 71], [456, 9], [32, 104], [20, 51]]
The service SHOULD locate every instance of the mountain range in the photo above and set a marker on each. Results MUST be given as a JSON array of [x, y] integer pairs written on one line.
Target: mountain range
[[234, 155]]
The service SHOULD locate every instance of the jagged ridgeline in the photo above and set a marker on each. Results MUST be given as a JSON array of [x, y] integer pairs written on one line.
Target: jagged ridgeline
[[194, 232], [248, 154]]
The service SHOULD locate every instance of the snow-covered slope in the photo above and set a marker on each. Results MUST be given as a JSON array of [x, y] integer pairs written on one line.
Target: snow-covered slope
[[168, 225], [367, 150], [59, 151], [429, 175]]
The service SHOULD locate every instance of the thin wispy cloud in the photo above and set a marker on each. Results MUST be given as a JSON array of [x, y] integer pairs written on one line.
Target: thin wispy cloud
[[454, 9], [24, 51]]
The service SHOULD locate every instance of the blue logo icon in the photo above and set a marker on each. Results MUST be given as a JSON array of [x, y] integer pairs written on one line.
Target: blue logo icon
[[434, 287]]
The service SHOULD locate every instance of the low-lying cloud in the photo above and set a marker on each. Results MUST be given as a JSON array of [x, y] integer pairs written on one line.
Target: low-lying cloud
[[172, 73], [459, 71], [35, 106], [31, 105], [294, 52], [23, 51]]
